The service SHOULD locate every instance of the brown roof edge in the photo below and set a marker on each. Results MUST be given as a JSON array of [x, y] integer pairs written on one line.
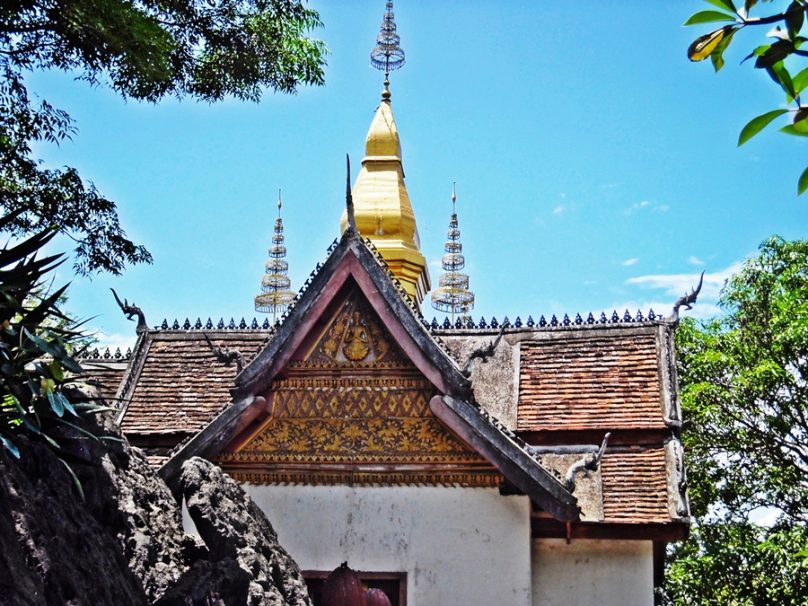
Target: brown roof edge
[[504, 450], [546, 528], [132, 373], [215, 436]]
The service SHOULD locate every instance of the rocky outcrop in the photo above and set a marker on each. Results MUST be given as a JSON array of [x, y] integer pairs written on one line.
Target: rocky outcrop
[[122, 542], [234, 528]]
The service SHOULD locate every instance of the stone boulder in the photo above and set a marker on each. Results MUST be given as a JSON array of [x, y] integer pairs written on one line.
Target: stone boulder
[[113, 534]]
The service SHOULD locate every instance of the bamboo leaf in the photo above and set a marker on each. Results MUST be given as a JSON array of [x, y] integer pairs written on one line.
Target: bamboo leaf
[[708, 17], [757, 124]]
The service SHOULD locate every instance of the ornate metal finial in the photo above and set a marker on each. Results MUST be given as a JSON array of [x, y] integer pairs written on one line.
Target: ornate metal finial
[[130, 311], [387, 55], [453, 295], [275, 295]]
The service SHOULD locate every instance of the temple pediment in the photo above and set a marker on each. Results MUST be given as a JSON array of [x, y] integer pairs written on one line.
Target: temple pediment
[[350, 407]]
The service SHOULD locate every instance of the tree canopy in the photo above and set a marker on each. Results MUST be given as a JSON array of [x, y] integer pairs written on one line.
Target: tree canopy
[[143, 50], [744, 393], [783, 59]]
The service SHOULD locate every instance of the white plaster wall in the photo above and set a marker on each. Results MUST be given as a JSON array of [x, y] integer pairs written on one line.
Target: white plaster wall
[[593, 573], [458, 546]]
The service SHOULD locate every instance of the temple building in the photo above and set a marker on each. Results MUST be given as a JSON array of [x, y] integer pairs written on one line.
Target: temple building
[[526, 463]]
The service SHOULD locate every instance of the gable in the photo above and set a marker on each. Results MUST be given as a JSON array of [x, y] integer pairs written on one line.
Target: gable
[[350, 407]]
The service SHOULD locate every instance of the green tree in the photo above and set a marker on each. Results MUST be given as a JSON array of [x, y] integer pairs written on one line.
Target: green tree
[[783, 59], [744, 393], [144, 50]]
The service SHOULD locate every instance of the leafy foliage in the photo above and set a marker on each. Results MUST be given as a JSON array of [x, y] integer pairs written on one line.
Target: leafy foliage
[[35, 340], [726, 563], [206, 49], [744, 393], [779, 59]]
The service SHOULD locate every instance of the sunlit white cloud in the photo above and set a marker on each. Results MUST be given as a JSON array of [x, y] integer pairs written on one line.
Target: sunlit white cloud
[[647, 205], [694, 260], [558, 210], [630, 262], [675, 285]]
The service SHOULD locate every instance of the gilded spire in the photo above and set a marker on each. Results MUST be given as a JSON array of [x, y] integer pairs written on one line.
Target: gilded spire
[[453, 295], [382, 207], [275, 295]]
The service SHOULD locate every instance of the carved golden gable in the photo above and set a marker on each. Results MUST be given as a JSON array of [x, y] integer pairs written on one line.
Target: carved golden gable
[[352, 409]]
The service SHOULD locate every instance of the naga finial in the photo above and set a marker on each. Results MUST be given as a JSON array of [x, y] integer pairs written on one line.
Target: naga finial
[[586, 465], [349, 198], [687, 300], [226, 355], [130, 311]]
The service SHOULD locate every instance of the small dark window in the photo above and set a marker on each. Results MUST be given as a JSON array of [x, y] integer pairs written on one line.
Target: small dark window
[[394, 584]]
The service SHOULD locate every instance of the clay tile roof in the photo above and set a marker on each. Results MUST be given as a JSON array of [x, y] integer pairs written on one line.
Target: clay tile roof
[[180, 385], [590, 380], [635, 487], [106, 376]]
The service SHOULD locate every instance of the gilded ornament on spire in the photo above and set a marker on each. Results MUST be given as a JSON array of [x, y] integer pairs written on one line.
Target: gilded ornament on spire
[[275, 295], [387, 55], [453, 295]]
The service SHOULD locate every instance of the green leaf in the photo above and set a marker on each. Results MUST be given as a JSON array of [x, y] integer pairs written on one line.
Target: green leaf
[[708, 17], [56, 404], [802, 185], [726, 4], [774, 54], [781, 77], [717, 56], [758, 124], [795, 18], [76, 480], [790, 129], [800, 81], [703, 46]]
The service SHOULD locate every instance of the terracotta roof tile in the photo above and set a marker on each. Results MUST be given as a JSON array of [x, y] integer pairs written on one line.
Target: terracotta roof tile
[[635, 486], [107, 377], [598, 382], [181, 385]]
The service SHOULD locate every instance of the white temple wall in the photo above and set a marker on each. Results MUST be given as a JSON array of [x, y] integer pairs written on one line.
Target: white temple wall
[[593, 573], [458, 546]]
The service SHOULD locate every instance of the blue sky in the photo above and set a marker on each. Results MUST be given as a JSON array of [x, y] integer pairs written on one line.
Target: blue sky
[[596, 167]]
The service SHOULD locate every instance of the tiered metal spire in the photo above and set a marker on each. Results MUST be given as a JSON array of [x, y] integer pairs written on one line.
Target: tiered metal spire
[[453, 295], [387, 55], [275, 295]]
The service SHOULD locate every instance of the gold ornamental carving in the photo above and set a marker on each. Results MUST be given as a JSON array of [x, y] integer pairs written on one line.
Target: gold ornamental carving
[[354, 336], [354, 410]]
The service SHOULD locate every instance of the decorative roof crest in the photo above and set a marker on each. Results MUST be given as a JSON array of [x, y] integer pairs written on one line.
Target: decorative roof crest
[[275, 295]]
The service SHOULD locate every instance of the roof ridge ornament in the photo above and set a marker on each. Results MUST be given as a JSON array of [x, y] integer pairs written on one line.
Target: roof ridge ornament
[[453, 294], [687, 300], [387, 55], [349, 199], [275, 295]]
